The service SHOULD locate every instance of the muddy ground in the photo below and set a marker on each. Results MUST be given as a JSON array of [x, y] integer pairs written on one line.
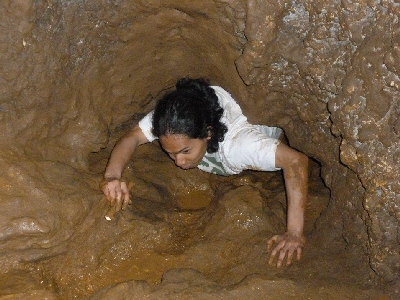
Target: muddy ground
[[192, 235]]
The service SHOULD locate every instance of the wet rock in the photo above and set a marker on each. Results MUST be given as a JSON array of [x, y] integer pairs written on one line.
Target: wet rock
[[190, 284]]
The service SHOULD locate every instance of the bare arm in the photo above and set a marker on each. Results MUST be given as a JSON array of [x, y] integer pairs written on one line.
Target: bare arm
[[115, 190], [295, 171]]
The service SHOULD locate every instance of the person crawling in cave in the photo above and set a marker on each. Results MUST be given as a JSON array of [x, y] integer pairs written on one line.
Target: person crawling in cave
[[202, 126]]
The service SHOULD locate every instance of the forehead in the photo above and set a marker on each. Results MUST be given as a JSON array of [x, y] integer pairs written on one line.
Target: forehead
[[173, 141], [177, 142]]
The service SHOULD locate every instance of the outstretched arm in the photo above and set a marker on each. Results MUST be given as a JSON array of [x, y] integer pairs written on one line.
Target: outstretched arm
[[113, 188], [295, 171]]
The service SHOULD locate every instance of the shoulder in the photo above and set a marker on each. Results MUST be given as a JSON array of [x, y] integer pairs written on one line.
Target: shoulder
[[146, 125], [223, 95], [232, 110], [250, 148]]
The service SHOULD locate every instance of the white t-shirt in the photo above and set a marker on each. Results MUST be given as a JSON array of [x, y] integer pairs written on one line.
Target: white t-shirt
[[245, 146]]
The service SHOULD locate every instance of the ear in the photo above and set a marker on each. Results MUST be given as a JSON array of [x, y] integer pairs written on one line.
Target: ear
[[209, 131]]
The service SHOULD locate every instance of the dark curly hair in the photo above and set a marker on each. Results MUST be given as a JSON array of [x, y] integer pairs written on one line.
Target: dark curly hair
[[191, 109]]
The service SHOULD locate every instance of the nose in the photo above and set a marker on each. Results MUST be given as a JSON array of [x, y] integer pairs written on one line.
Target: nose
[[180, 160]]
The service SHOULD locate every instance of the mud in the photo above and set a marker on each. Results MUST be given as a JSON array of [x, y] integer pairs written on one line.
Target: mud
[[75, 75]]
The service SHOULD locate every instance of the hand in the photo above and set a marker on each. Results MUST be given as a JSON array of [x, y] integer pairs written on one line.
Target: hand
[[117, 192], [286, 245]]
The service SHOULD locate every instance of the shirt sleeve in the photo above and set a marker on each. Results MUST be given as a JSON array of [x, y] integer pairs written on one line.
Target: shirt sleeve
[[146, 125], [251, 149], [232, 111]]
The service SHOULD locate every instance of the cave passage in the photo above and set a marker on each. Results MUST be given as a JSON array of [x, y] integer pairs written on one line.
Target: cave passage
[[76, 75]]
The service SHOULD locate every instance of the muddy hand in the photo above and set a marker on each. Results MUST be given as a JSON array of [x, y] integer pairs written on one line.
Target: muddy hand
[[118, 197], [115, 190], [285, 246]]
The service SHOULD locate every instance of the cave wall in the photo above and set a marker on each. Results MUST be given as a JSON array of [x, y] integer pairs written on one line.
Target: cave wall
[[332, 70], [326, 72]]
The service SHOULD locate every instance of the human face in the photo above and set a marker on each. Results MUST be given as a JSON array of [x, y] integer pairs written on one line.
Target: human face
[[187, 153]]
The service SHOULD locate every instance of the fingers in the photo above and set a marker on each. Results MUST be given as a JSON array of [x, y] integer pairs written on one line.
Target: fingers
[[299, 252], [118, 198], [126, 201], [117, 193], [120, 201], [289, 258], [280, 248], [272, 241], [290, 254], [285, 248], [124, 196], [118, 205], [281, 258], [276, 239], [283, 253]]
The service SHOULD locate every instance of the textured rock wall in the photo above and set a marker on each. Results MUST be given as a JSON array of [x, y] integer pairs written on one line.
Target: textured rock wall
[[330, 71], [327, 72]]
